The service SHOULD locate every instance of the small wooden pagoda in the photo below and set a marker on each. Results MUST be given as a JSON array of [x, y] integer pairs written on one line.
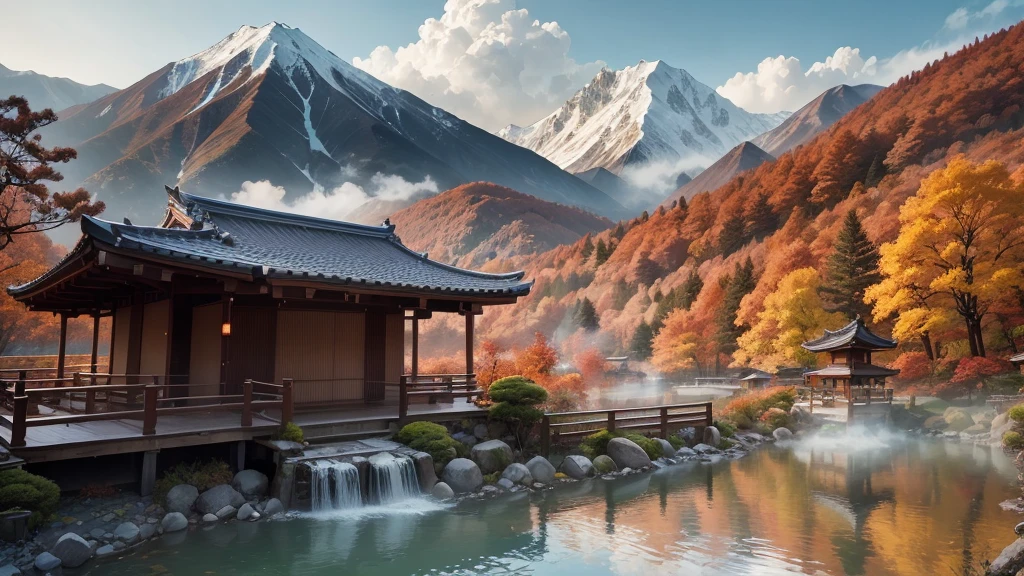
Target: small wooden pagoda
[[850, 375]]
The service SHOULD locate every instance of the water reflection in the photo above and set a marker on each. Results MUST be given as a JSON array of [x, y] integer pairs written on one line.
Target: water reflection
[[816, 507]]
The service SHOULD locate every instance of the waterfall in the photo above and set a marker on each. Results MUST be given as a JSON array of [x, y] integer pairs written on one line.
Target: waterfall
[[392, 478], [333, 485]]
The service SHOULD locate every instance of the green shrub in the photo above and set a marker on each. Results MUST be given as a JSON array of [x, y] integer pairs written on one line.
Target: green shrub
[[676, 441], [202, 475], [597, 444], [431, 438], [516, 399], [1013, 440], [26, 491], [492, 478], [291, 432], [775, 418], [650, 445], [1017, 413], [725, 428]]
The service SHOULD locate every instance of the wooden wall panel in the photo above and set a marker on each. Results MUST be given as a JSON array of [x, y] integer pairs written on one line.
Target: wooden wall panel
[[305, 352], [204, 356], [376, 357], [154, 338], [394, 348], [349, 354], [251, 348], [119, 351]]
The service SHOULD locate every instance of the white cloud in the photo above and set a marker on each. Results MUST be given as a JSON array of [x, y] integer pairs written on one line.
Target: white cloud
[[958, 19], [486, 62], [336, 203]]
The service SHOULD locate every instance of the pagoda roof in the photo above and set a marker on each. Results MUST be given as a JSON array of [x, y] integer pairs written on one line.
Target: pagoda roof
[[853, 335], [858, 369], [229, 237], [1017, 358]]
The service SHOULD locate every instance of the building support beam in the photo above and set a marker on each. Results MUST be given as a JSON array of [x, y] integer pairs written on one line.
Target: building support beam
[[148, 480], [225, 339], [469, 342], [415, 346], [62, 345], [134, 360], [94, 352]]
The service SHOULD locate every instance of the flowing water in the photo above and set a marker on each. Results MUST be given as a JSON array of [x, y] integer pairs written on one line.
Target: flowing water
[[859, 504], [392, 478], [333, 485]]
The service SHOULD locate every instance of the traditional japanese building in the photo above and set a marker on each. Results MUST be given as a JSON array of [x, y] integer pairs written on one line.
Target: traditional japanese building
[[221, 295], [850, 373]]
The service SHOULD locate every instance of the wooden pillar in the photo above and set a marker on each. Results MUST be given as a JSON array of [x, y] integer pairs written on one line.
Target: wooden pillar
[[113, 334], [94, 356], [18, 421], [134, 363], [62, 345], [224, 341], [148, 480], [415, 345], [469, 342]]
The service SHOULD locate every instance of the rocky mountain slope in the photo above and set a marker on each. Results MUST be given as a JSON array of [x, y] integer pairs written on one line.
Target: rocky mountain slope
[[815, 117], [740, 159], [43, 91]]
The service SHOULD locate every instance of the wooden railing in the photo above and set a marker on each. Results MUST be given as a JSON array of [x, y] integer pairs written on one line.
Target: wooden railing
[[665, 419], [143, 396], [434, 387]]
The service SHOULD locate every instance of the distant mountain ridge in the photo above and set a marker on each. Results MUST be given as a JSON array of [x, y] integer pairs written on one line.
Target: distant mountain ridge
[[43, 91], [815, 117], [269, 103], [740, 159]]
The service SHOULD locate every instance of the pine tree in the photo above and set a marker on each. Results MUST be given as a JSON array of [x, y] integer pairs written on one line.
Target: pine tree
[[642, 342], [586, 316], [850, 269], [875, 172], [691, 289], [647, 270], [601, 252], [739, 284], [621, 293], [761, 220], [733, 236], [588, 248]]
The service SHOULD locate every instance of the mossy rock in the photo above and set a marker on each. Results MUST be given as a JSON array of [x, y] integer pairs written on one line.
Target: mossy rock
[[958, 420]]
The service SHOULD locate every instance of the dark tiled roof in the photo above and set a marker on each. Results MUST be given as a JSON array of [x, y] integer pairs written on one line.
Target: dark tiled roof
[[853, 335], [1017, 357], [265, 243]]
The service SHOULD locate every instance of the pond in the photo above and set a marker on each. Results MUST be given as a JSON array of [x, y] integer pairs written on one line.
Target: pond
[[895, 506]]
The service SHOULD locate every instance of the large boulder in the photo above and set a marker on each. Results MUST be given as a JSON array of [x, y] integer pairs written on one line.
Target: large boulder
[[688, 434], [667, 450], [252, 484], [782, 434], [1010, 560], [462, 475], [181, 498], [480, 431], [712, 437], [957, 420], [541, 470], [274, 506], [518, 474], [72, 550], [492, 456], [603, 464], [627, 454], [1001, 424], [245, 512], [578, 467], [935, 423], [174, 522], [127, 532], [442, 492], [425, 470], [218, 497]]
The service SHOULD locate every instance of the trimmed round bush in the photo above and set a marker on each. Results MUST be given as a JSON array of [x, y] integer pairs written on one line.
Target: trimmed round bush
[[516, 399], [1016, 413], [431, 438], [23, 490], [1013, 440], [292, 433], [517, 390]]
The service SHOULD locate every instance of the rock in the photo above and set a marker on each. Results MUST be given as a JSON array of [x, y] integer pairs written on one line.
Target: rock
[[127, 532], [251, 484], [688, 434], [97, 533], [667, 450], [462, 475], [46, 562], [541, 470], [782, 434], [173, 522], [226, 512], [705, 449], [181, 498], [255, 516], [712, 437], [1010, 560], [1001, 424], [492, 456], [217, 498], [480, 431], [274, 506], [958, 420], [287, 446], [518, 474], [604, 464], [147, 531], [577, 467], [210, 518], [799, 415], [935, 423], [627, 454], [976, 430], [685, 452], [442, 492], [467, 439], [245, 512], [104, 551], [72, 550], [425, 470], [505, 483], [490, 490], [1019, 529], [119, 545], [5, 454]]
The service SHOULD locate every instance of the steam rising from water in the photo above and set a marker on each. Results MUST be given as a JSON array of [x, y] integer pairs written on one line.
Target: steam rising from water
[[857, 438]]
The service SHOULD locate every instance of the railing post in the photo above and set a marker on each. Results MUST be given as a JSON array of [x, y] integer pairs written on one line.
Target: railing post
[[403, 398], [149, 410], [611, 420], [247, 403], [90, 401], [287, 409], [708, 416], [664, 421], [545, 435], [20, 412]]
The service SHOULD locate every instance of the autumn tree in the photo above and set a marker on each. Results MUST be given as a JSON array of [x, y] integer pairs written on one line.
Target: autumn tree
[[647, 270], [19, 263], [601, 252], [537, 360], [26, 203], [838, 169], [960, 244], [760, 219], [586, 316], [679, 297], [736, 286], [850, 270], [792, 315], [588, 247], [640, 345], [733, 234]]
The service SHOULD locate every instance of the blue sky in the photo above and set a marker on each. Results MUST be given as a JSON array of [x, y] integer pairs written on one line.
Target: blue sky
[[118, 42]]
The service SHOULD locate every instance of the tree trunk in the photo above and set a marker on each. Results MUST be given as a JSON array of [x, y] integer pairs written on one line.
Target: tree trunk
[[970, 338], [926, 341], [979, 338]]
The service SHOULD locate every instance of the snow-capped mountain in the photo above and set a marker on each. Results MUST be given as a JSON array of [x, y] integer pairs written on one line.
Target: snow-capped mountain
[[43, 91], [644, 113], [269, 103]]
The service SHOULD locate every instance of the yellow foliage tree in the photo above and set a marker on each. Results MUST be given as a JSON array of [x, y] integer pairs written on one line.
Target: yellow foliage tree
[[792, 315], [959, 250], [675, 347]]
